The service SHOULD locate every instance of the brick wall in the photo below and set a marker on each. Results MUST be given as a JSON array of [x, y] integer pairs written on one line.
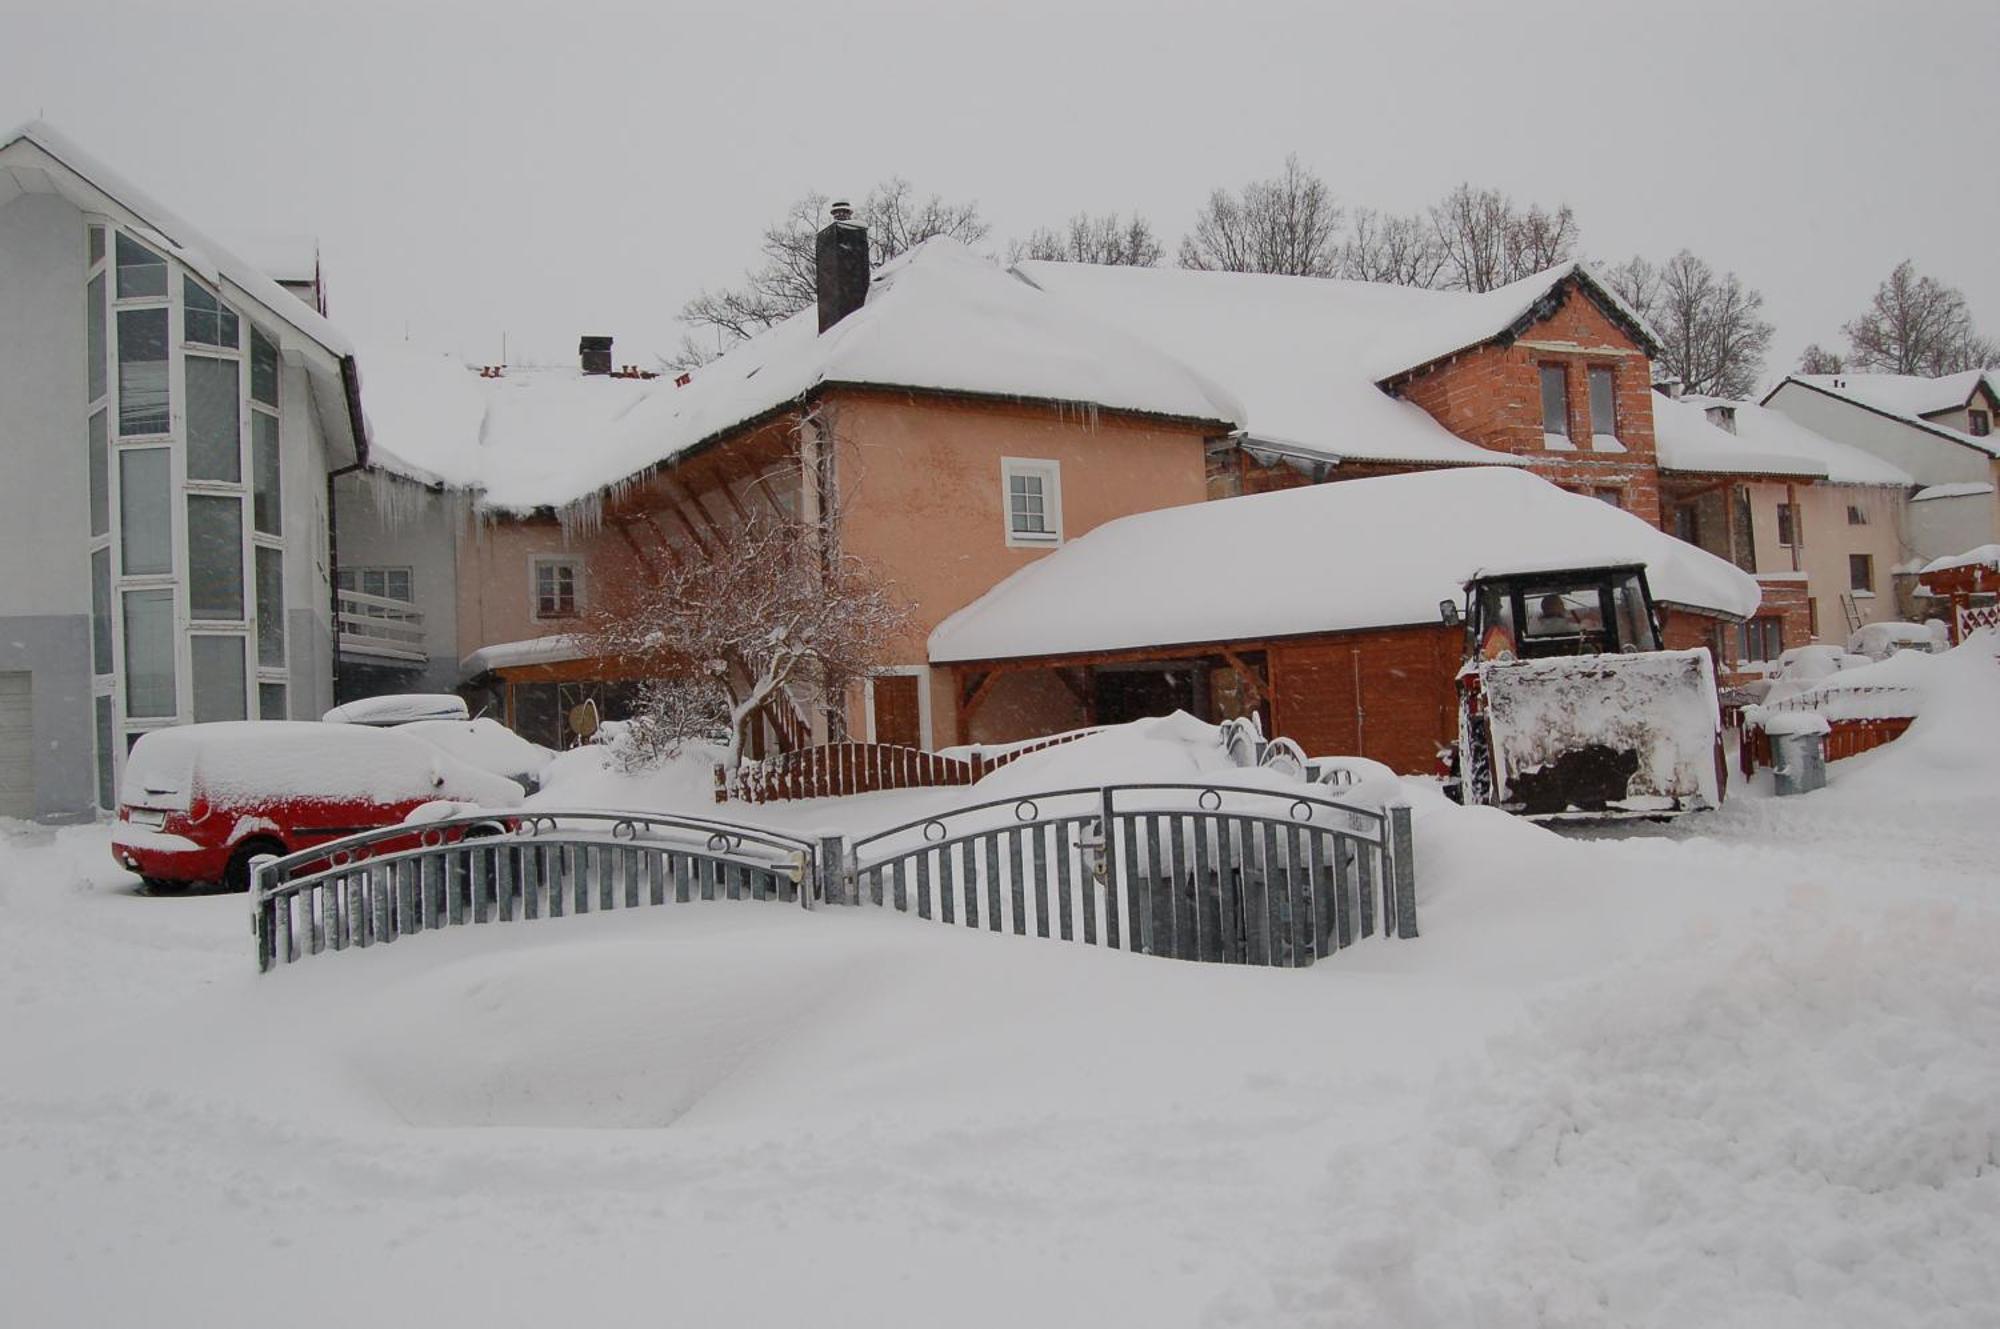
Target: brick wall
[[1492, 396]]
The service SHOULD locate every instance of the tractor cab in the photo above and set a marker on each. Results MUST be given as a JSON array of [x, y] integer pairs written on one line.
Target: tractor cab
[[1569, 708]]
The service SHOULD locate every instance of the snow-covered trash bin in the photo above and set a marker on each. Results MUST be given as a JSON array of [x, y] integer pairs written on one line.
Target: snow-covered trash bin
[[1798, 750]]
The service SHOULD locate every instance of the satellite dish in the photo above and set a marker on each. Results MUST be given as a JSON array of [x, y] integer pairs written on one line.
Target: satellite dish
[[584, 720]]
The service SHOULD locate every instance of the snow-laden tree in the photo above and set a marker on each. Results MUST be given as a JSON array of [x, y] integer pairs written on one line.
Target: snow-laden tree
[[1917, 325], [1107, 239], [757, 616], [897, 217], [1712, 336], [1487, 240], [1288, 224]]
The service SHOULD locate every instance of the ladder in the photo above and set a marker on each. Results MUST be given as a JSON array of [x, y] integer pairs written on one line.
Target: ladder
[[1853, 612]]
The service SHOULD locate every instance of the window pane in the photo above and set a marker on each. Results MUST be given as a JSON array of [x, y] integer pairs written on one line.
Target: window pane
[[215, 440], [100, 611], [270, 701], [270, 607], [396, 583], [215, 557], [93, 338], [1555, 400], [145, 521], [100, 474], [1603, 402], [96, 245], [263, 369], [142, 372], [105, 784], [268, 516], [149, 653], [205, 319], [218, 679], [141, 272]]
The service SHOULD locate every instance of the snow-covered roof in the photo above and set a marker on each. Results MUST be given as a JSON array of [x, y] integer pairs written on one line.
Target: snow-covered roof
[[1903, 394], [938, 318], [283, 258], [178, 236], [552, 649], [1305, 354], [1956, 489], [1984, 556], [1335, 557], [1895, 396], [1765, 441]]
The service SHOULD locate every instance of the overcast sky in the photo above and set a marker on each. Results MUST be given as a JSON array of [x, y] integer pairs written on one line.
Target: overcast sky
[[544, 170]]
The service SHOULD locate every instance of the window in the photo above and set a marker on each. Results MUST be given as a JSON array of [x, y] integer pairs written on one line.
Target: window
[[389, 583], [145, 517], [1033, 494], [94, 338], [142, 372], [270, 701], [555, 588], [219, 678], [1787, 532], [96, 245], [263, 369], [268, 518], [1980, 422], [1861, 573], [1687, 526], [149, 654], [1763, 638], [205, 320], [1615, 497], [105, 784], [141, 272], [1855, 516], [1603, 401], [100, 474], [215, 557], [270, 607], [214, 421], [100, 610], [1555, 404]]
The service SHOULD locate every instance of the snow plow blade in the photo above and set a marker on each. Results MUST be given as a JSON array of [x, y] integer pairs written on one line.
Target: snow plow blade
[[1603, 736]]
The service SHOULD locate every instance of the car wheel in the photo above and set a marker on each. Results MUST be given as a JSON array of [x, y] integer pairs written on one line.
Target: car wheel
[[236, 876], [161, 886]]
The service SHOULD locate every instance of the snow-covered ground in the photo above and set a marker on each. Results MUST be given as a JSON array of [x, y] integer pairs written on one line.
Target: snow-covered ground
[[1740, 1070]]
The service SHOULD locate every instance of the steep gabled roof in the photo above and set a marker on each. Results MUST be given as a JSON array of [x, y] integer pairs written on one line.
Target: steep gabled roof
[[1465, 321], [938, 319], [37, 158], [1904, 394], [1872, 398], [1348, 556]]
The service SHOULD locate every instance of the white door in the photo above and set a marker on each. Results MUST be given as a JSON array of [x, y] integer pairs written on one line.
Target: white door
[[17, 746]]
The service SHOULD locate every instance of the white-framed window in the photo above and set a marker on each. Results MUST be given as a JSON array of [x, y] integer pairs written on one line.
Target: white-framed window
[[557, 585], [389, 583], [1031, 493]]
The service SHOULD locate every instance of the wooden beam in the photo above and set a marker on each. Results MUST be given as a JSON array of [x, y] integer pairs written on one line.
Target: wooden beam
[[645, 560], [969, 703], [666, 545], [1243, 671]]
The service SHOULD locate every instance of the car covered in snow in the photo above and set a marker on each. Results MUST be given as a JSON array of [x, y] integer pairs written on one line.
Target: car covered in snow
[[399, 708], [487, 744], [1879, 641], [200, 801]]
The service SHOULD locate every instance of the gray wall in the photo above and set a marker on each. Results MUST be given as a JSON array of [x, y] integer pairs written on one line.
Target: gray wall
[[1932, 460], [385, 521], [44, 493]]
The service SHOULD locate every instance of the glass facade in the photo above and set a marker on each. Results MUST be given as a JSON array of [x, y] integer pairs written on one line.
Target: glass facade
[[218, 678]]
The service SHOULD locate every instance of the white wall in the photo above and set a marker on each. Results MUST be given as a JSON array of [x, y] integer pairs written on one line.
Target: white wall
[[1931, 459], [1943, 526], [389, 522]]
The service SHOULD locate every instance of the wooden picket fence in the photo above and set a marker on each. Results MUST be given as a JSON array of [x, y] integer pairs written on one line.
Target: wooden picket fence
[[835, 770], [1845, 738]]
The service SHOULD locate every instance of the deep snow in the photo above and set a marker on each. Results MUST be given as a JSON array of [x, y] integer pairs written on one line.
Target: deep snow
[[1739, 1070]]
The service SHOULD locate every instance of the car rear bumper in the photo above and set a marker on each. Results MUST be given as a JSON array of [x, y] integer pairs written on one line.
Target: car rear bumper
[[165, 856]]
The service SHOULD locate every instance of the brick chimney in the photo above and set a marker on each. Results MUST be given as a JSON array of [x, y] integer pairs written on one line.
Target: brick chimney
[[595, 352], [841, 266]]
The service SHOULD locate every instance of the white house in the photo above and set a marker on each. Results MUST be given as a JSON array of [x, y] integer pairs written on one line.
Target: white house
[[169, 420]]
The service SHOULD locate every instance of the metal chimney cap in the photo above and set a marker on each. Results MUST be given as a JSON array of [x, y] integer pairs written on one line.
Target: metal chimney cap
[[841, 210]]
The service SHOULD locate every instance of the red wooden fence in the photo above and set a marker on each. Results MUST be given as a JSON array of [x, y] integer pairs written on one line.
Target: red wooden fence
[[834, 770], [1847, 738]]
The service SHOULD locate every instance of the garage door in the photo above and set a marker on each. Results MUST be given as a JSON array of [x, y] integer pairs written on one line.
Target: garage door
[[17, 746]]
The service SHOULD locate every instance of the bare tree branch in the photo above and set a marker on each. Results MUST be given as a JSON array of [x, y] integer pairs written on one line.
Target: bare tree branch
[[1086, 239], [1917, 325], [1284, 225]]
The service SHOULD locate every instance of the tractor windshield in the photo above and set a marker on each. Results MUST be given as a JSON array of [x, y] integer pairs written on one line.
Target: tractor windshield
[[1562, 614]]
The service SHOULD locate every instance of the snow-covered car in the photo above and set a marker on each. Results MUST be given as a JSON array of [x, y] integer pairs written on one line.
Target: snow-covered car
[[487, 744], [399, 708], [200, 801], [1803, 668], [1879, 641]]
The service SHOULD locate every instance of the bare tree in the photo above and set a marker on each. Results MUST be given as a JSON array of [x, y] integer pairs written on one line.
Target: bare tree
[[758, 616], [1711, 335], [1487, 241], [1917, 325], [1286, 224], [897, 219], [1383, 247], [1088, 239], [1816, 359]]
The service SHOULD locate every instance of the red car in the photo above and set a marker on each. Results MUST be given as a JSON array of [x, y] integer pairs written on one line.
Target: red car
[[199, 802]]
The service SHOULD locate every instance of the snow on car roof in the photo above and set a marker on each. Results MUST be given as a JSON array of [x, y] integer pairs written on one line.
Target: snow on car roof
[[1322, 558], [939, 317], [399, 708], [242, 761]]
